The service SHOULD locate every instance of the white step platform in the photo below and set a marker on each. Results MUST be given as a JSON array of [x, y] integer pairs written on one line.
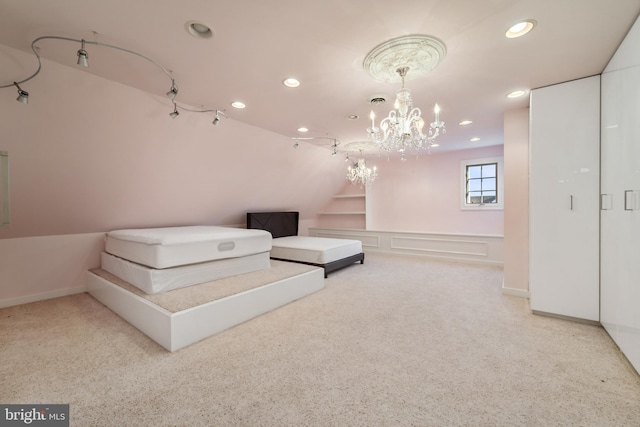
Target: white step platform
[[179, 318]]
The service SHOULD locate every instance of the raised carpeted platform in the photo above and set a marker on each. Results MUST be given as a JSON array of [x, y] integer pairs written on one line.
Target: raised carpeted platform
[[181, 317]]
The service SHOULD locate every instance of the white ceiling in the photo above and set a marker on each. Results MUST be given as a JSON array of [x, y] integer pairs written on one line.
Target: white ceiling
[[257, 44]]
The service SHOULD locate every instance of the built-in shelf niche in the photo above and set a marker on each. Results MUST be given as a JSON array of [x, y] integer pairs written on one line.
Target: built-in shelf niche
[[347, 209]]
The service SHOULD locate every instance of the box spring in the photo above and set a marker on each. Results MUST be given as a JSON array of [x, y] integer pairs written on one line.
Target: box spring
[[152, 281]]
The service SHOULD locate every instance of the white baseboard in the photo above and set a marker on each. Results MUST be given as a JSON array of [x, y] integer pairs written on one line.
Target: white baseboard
[[521, 293], [514, 292], [9, 302]]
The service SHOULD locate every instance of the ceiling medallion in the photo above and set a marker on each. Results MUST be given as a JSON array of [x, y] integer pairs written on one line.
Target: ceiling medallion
[[420, 53]]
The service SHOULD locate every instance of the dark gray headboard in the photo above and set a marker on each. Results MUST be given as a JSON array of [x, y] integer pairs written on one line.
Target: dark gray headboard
[[279, 224]]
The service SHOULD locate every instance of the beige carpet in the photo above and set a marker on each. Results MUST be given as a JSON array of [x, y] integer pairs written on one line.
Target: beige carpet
[[398, 341]]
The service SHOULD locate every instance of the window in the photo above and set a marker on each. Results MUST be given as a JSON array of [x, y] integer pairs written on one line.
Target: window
[[4, 188], [481, 182]]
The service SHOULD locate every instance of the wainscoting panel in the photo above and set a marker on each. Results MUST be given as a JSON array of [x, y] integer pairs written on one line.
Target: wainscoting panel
[[442, 246], [371, 242], [485, 249]]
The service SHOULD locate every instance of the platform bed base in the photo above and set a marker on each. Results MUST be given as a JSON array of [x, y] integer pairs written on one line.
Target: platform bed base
[[331, 266], [174, 331]]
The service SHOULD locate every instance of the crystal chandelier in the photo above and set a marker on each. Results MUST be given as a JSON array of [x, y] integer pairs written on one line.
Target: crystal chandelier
[[402, 130], [359, 173]]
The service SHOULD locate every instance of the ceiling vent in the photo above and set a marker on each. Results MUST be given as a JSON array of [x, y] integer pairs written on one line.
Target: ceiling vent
[[377, 99]]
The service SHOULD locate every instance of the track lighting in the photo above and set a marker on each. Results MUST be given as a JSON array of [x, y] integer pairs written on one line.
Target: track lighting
[[175, 112], [23, 95], [173, 91], [83, 60], [334, 145], [83, 56]]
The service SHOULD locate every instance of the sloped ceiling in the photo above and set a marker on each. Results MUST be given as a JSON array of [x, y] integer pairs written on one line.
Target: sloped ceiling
[[257, 44]]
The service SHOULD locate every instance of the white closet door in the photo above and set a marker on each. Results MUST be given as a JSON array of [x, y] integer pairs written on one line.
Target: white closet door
[[564, 199], [620, 214], [611, 203]]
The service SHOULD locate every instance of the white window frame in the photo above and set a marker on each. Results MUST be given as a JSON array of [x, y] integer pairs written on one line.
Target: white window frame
[[463, 184]]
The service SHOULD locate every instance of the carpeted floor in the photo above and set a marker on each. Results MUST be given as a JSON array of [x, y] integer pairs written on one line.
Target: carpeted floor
[[398, 341]]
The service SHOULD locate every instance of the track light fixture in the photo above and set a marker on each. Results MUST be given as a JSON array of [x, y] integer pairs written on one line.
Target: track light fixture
[[83, 56], [334, 145], [216, 120], [173, 91], [23, 95], [83, 60], [175, 112]]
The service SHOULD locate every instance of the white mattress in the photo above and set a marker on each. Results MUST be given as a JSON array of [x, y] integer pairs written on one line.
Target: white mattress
[[316, 250], [153, 281], [174, 246]]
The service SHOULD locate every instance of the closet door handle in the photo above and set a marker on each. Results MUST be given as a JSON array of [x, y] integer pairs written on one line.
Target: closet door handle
[[606, 202], [571, 202], [631, 199]]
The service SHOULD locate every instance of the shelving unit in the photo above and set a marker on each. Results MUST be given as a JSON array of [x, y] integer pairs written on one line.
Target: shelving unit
[[346, 210]]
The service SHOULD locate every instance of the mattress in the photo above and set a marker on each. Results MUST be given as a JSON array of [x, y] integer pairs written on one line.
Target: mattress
[[152, 281], [315, 250], [175, 246]]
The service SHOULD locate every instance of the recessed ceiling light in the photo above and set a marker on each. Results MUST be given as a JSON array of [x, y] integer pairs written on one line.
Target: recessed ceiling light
[[516, 93], [353, 117], [291, 82], [474, 139], [520, 29], [199, 30], [238, 104], [303, 130], [465, 122]]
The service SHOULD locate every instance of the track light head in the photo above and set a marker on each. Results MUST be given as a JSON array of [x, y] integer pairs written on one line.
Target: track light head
[[335, 147], [23, 95], [83, 56], [175, 112], [173, 91], [216, 120]]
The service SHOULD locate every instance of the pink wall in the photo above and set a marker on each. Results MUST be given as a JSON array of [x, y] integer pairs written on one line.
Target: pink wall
[[88, 155], [423, 195], [516, 189]]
